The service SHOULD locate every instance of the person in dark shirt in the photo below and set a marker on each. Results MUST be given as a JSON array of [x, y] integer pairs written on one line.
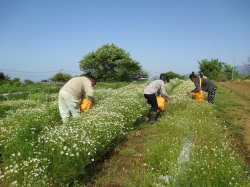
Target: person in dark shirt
[[203, 74], [206, 85]]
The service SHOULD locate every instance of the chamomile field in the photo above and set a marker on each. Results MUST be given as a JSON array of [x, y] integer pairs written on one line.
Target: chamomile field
[[188, 146]]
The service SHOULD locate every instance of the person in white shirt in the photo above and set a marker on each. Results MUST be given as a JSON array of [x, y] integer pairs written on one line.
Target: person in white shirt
[[72, 92], [150, 92]]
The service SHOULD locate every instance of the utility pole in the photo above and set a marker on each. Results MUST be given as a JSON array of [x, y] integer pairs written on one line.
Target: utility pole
[[233, 69]]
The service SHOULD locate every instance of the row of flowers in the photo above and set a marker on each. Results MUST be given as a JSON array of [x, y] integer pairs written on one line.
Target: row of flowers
[[37, 149]]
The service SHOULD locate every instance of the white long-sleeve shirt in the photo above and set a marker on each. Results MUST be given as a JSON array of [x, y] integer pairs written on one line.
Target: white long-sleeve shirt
[[154, 86]]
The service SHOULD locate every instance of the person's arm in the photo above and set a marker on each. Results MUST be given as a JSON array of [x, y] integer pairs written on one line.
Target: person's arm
[[89, 93], [197, 85], [163, 91]]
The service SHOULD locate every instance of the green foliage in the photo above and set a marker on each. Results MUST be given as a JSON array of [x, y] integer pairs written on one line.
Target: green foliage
[[10, 91], [61, 77], [111, 63], [173, 75], [6, 80], [14, 82], [4, 109], [244, 77], [216, 70], [25, 146], [114, 85], [27, 82], [17, 96], [2, 77]]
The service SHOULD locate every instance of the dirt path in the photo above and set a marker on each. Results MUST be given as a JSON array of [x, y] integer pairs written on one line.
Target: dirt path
[[126, 160], [240, 90]]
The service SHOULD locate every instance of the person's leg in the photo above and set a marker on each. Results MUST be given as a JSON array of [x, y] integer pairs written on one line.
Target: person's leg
[[211, 94], [151, 99], [74, 107], [72, 104], [63, 107]]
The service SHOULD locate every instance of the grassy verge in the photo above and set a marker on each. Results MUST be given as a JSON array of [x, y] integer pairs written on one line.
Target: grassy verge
[[229, 111]]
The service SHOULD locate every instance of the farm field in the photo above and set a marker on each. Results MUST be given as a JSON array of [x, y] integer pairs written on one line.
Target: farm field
[[192, 144], [234, 103]]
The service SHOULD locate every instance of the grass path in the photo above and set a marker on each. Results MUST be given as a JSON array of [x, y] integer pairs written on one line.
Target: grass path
[[237, 108]]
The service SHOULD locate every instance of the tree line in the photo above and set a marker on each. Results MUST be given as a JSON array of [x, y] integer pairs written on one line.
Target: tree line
[[109, 63]]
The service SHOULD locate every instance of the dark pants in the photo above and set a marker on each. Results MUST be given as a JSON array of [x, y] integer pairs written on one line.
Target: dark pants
[[151, 99], [211, 94]]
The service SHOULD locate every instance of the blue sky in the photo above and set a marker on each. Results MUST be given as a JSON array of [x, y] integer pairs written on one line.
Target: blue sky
[[39, 38]]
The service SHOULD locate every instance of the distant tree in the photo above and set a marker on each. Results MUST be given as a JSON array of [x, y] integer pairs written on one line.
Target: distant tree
[[111, 63], [211, 68], [16, 82], [61, 77], [28, 82], [2, 76], [143, 75], [217, 70], [173, 75], [6, 80]]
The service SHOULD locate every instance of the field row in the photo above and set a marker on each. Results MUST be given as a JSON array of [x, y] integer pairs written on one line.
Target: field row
[[38, 150]]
